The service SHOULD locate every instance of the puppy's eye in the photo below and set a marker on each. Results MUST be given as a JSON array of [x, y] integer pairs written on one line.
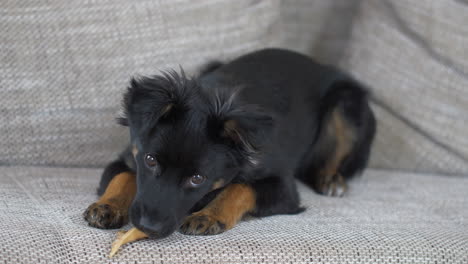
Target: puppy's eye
[[150, 160], [196, 180]]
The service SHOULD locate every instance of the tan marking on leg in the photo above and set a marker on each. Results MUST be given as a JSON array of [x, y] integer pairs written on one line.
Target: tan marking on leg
[[343, 136], [217, 184], [111, 210], [231, 204], [120, 191], [223, 213]]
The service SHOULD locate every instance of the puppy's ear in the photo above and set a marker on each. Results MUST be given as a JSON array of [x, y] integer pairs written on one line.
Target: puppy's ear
[[247, 129], [123, 121], [244, 126], [156, 99]]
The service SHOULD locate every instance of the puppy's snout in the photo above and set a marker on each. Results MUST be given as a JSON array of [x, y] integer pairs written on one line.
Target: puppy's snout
[[151, 229], [153, 223]]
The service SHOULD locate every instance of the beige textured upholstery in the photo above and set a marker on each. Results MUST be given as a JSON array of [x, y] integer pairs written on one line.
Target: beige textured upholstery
[[64, 65], [414, 56], [388, 217]]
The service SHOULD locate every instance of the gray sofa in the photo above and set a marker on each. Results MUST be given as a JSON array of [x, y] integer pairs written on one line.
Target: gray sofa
[[64, 65]]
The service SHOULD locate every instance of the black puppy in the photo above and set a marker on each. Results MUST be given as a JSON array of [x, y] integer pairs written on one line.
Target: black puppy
[[206, 151]]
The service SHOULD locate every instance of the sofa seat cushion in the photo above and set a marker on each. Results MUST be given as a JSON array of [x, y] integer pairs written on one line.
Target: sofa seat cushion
[[387, 217]]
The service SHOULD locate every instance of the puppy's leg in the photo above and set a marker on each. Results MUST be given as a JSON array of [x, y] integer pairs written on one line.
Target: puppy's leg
[[329, 179], [265, 197], [118, 188], [321, 169], [276, 195], [222, 213], [342, 146]]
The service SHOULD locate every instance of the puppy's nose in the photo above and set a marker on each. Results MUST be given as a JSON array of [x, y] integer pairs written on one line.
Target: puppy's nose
[[149, 228], [155, 229]]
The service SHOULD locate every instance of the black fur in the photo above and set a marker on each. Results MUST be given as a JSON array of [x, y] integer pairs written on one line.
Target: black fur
[[257, 120], [351, 99]]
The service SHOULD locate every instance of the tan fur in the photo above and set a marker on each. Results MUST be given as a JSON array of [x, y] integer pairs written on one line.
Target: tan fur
[[230, 205], [134, 150], [218, 184], [120, 191], [343, 135], [167, 109], [232, 130]]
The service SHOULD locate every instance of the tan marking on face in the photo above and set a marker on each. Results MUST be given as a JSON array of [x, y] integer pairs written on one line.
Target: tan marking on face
[[233, 131], [134, 150], [167, 109]]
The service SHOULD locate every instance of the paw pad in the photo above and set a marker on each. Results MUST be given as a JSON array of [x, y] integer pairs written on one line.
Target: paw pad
[[201, 224], [104, 216]]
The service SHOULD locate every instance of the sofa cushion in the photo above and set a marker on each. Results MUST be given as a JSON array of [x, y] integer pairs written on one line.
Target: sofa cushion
[[387, 217], [413, 56]]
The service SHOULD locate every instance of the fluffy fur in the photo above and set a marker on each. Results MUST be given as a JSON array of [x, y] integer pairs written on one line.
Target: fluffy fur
[[255, 124]]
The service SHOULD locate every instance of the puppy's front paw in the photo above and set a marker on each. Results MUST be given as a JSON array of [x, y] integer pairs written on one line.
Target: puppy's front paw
[[202, 224], [105, 216]]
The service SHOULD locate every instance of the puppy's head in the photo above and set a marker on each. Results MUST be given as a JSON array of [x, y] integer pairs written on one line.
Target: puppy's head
[[187, 142]]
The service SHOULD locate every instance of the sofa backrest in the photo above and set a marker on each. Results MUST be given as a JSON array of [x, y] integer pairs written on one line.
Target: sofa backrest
[[414, 56], [65, 64]]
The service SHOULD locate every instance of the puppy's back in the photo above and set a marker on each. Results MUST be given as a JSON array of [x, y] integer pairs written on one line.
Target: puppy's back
[[285, 84], [275, 79]]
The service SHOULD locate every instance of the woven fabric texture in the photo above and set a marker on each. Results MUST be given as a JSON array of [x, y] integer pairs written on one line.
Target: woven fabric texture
[[387, 217], [65, 64], [413, 54]]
